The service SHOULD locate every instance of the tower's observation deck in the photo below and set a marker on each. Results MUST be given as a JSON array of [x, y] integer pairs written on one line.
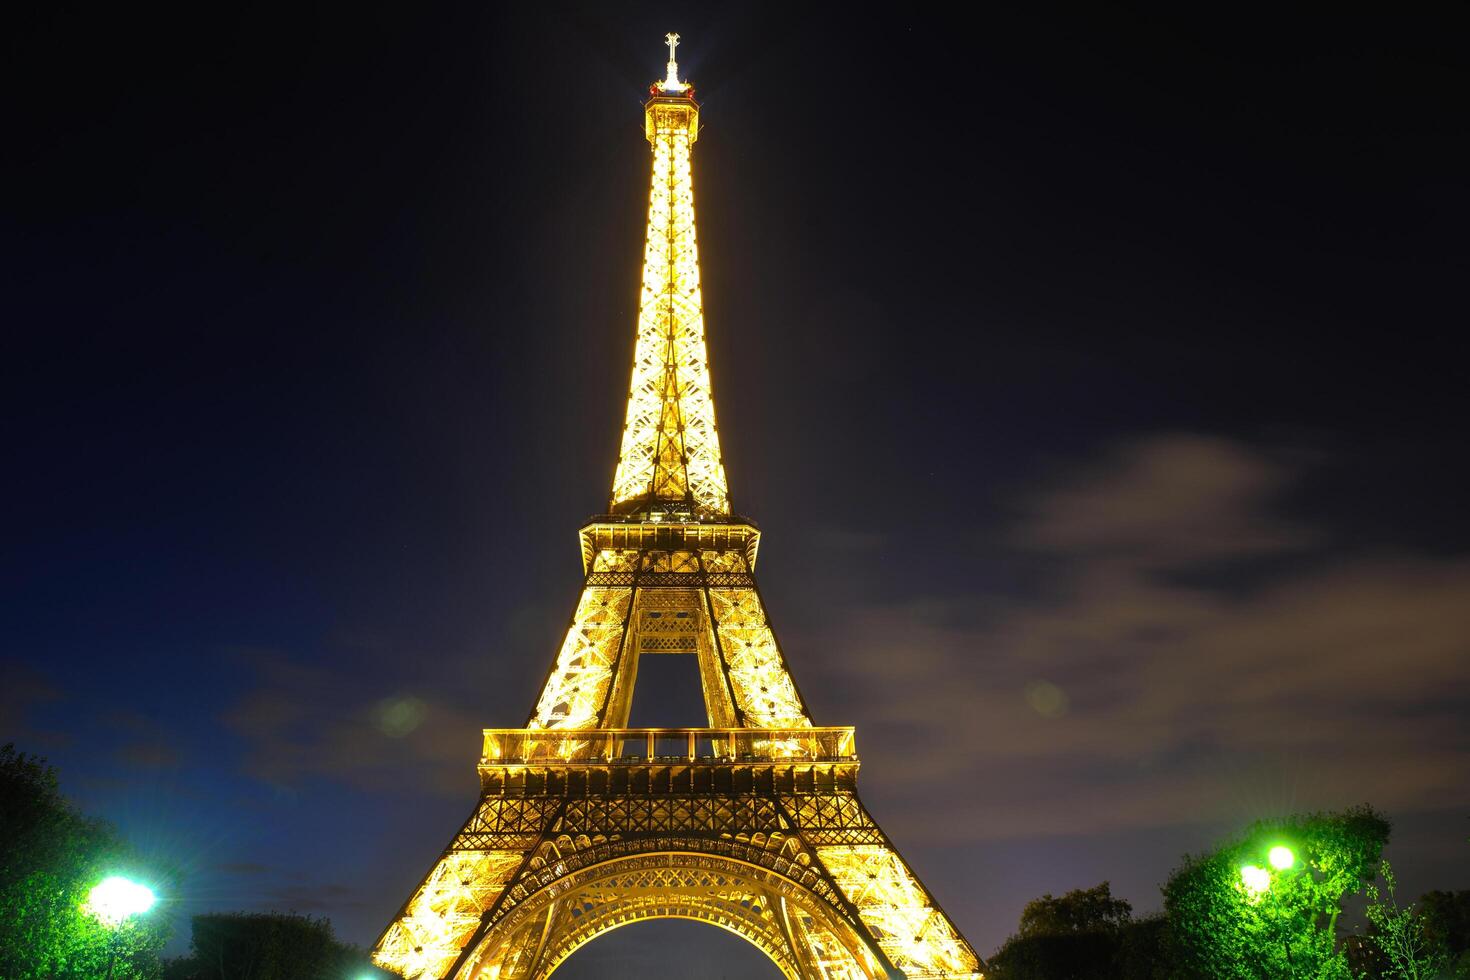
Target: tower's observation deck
[[752, 824]]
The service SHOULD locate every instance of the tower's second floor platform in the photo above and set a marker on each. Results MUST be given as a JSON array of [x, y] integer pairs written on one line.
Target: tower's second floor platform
[[665, 532], [657, 761]]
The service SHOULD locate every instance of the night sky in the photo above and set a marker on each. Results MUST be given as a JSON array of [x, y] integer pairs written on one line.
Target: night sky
[[1097, 379]]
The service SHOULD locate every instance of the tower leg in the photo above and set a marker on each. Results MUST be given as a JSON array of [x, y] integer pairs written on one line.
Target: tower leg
[[903, 919]]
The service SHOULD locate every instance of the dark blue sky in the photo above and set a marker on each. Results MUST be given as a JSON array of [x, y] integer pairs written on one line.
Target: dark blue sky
[[1097, 380]]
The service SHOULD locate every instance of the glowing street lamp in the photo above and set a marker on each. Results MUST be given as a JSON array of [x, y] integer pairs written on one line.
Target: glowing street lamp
[[1281, 857], [117, 899], [114, 901], [1256, 880]]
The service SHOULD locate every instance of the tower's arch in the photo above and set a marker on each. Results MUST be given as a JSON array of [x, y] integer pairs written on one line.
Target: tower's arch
[[673, 959], [792, 925]]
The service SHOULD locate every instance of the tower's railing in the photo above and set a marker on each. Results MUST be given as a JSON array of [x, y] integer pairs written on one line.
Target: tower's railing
[[611, 746]]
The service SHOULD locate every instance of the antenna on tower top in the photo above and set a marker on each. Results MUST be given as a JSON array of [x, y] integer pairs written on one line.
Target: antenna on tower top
[[671, 81]]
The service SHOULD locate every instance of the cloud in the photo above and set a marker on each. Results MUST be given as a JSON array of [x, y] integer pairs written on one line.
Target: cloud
[[134, 739], [23, 691], [1150, 682], [300, 722], [1165, 502], [141, 741], [148, 755], [1129, 696], [316, 898]]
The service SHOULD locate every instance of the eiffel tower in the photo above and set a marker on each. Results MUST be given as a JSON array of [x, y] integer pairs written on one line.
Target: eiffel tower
[[752, 824]]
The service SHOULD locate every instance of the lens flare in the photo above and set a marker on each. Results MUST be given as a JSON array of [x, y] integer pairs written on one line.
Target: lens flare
[[115, 899]]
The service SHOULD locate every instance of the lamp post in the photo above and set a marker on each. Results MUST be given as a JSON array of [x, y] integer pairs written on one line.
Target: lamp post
[[112, 902], [1257, 882]]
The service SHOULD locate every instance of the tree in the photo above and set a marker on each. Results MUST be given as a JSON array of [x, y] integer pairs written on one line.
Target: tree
[[1085, 934], [50, 858], [1083, 910], [1447, 922], [1144, 951], [1236, 914], [268, 946], [1405, 950]]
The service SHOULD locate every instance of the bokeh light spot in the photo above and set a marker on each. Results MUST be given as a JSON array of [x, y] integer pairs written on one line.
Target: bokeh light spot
[[1046, 699], [397, 717]]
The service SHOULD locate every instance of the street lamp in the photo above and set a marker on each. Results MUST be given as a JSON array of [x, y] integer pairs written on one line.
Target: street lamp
[[112, 902], [1256, 882], [1255, 879], [1281, 857]]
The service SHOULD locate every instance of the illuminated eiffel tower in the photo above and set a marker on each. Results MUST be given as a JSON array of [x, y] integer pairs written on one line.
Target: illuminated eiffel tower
[[752, 824]]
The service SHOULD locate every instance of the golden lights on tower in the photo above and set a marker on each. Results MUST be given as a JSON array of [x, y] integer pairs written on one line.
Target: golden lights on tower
[[752, 824], [670, 454]]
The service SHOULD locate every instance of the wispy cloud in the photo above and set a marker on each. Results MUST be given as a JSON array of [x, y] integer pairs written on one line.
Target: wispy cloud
[[28, 706], [141, 742], [316, 898], [1175, 501], [1149, 681], [1129, 695], [302, 721], [24, 691]]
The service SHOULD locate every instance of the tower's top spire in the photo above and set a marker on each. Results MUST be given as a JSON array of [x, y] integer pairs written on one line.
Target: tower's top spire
[[671, 83], [669, 466]]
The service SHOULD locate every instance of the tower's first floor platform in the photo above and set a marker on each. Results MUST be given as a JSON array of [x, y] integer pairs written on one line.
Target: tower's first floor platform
[[758, 831]]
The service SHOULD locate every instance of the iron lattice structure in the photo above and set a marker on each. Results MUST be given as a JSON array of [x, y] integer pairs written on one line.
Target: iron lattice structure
[[753, 824]]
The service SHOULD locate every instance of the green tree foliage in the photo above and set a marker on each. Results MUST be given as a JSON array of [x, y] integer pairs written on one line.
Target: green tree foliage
[[1144, 952], [269, 946], [1084, 910], [1223, 930], [1085, 934], [1404, 949], [50, 857]]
